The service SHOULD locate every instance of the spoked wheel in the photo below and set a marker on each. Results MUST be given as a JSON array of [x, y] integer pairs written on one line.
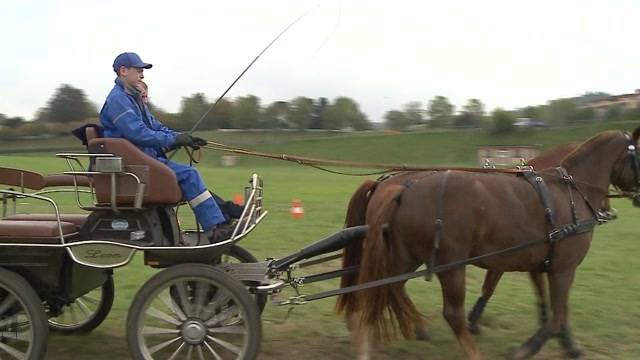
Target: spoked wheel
[[86, 312], [193, 311], [237, 254], [23, 321]]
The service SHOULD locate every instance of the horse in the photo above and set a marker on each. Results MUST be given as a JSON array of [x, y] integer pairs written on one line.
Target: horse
[[355, 216], [448, 217]]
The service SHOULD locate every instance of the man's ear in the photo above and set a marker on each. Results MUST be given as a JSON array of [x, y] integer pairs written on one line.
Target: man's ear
[[122, 71]]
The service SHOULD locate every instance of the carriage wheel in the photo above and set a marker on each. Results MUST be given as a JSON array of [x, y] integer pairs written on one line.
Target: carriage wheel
[[238, 254], [86, 312], [191, 311], [23, 321]]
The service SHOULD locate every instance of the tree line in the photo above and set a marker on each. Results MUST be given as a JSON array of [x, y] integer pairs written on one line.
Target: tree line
[[441, 113], [69, 106]]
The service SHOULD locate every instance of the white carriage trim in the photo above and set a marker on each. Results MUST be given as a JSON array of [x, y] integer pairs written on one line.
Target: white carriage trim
[[121, 115], [200, 199]]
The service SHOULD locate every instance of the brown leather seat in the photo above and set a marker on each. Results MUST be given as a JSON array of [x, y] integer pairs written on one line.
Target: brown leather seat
[[161, 183], [34, 231], [76, 219]]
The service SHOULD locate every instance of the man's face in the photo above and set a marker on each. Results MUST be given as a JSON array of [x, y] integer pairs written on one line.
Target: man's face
[[131, 76]]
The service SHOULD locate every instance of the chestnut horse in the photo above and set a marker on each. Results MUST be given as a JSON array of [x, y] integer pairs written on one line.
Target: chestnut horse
[[356, 211], [474, 214]]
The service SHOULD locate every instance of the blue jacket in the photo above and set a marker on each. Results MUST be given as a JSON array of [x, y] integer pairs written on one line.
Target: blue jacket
[[123, 116]]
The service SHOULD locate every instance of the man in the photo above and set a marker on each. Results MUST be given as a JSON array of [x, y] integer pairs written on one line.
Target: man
[[124, 115]]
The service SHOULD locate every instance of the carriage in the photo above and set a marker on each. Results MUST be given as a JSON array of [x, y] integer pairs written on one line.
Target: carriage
[[56, 269]]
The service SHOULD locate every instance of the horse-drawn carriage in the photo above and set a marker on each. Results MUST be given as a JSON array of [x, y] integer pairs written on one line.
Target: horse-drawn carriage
[[200, 307], [56, 268]]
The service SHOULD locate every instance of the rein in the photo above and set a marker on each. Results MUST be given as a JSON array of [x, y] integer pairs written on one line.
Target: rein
[[318, 163]]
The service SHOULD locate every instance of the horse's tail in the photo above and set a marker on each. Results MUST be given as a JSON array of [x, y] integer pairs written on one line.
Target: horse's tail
[[377, 263], [352, 253]]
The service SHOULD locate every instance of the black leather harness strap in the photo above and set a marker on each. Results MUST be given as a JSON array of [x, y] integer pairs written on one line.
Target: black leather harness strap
[[438, 225], [558, 233]]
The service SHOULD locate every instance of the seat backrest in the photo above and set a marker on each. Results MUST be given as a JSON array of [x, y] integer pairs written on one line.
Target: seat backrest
[[21, 178], [91, 133], [161, 183]]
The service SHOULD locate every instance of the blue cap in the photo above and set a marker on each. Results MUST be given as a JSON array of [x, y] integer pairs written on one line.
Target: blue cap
[[129, 59]]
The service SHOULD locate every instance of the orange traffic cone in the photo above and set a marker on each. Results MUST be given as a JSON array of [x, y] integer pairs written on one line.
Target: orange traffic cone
[[296, 210], [238, 199]]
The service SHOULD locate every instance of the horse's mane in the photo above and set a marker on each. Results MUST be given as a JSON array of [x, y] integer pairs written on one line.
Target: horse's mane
[[587, 148]]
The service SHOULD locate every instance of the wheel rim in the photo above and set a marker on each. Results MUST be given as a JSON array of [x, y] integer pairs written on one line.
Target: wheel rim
[[81, 311], [16, 335], [193, 317]]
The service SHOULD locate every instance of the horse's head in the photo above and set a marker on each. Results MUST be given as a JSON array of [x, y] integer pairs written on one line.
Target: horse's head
[[626, 172]]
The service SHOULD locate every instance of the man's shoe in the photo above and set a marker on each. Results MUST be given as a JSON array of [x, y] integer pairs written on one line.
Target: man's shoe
[[221, 233]]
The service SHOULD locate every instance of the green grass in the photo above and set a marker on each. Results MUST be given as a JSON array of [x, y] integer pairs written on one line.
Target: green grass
[[604, 308]]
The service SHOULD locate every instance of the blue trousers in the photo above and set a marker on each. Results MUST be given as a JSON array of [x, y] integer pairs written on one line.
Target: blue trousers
[[194, 191]]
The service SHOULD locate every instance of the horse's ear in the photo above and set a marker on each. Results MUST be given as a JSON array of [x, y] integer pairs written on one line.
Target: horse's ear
[[636, 134]]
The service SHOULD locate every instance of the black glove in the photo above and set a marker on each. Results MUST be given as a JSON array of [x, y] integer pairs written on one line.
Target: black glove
[[183, 139], [199, 141]]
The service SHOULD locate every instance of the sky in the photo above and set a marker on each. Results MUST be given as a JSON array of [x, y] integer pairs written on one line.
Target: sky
[[383, 54]]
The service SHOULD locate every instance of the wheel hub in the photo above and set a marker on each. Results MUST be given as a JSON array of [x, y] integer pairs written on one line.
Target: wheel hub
[[194, 332]]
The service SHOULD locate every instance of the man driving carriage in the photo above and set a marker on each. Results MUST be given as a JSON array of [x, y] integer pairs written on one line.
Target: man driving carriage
[[124, 115]]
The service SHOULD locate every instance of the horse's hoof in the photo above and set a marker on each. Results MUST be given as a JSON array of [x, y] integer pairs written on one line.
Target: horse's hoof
[[474, 328], [422, 334], [574, 353], [520, 353]]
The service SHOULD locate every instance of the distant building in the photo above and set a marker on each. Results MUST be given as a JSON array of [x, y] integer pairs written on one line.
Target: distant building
[[623, 102], [506, 155]]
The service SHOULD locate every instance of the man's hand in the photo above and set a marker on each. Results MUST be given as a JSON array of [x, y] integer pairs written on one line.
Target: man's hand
[[199, 141], [184, 139]]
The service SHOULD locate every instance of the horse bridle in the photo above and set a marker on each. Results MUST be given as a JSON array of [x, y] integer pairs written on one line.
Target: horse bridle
[[632, 154]]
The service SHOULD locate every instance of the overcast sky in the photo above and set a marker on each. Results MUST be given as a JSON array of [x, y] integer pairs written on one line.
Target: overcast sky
[[383, 54]]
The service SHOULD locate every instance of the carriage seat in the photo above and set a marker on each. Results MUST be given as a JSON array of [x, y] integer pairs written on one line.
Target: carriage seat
[[45, 232], [161, 182], [76, 219]]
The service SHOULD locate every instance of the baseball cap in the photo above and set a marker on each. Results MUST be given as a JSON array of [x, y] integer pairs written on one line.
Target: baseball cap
[[129, 59]]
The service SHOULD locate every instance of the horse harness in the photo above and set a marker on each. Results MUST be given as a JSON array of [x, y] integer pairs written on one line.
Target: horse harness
[[555, 234]]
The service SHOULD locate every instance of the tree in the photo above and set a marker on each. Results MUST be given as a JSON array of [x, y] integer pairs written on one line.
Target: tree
[[440, 112], [414, 113], [275, 115], [465, 120], [396, 120], [11, 122], [191, 110], [345, 112], [502, 121], [299, 114], [562, 111], [474, 107], [245, 112], [68, 104], [319, 113]]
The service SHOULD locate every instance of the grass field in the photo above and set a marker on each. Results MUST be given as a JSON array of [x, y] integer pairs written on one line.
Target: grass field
[[605, 310]]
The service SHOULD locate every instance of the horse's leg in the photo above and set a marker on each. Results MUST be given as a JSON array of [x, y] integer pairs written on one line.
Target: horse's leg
[[537, 278], [491, 280], [559, 286], [453, 292], [360, 337]]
